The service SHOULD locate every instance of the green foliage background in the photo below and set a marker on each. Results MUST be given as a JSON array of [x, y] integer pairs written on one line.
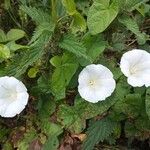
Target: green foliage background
[[46, 43]]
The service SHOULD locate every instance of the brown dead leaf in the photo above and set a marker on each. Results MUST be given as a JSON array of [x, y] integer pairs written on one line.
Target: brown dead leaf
[[35, 145], [81, 137]]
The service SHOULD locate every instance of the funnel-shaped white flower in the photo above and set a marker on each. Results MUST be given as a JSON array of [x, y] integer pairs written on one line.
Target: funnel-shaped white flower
[[96, 83], [135, 65], [13, 96]]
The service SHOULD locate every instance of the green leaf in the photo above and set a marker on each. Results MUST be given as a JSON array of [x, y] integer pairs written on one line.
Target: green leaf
[[101, 14], [132, 25], [129, 5], [4, 51], [98, 132], [147, 102], [78, 23], [46, 107], [15, 34], [41, 28], [14, 47], [36, 51], [38, 15], [32, 72], [95, 45], [3, 37], [71, 44], [28, 137], [70, 6], [52, 143], [74, 117], [63, 73]]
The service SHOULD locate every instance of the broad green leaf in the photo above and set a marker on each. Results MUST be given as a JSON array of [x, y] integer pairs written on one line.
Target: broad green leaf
[[3, 37], [4, 51], [14, 47], [70, 6], [71, 44], [78, 23], [63, 74], [74, 117], [15, 34], [98, 132], [56, 61], [147, 102], [132, 25], [101, 14]]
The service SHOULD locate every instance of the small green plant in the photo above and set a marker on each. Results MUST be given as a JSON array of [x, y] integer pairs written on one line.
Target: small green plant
[[47, 44]]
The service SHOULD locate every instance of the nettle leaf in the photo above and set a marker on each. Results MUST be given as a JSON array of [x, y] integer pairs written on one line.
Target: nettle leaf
[[95, 45], [15, 34], [132, 25], [98, 132], [101, 14], [66, 67], [36, 51], [147, 102], [71, 44], [38, 15], [41, 28], [74, 117]]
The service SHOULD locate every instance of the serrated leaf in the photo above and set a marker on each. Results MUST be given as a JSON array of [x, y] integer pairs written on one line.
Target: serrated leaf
[[63, 74], [101, 14], [132, 25], [74, 117], [95, 45], [98, 132], [38, 15], [147, 102], [15, 34], [41, 28], [71, 44], [19, 66]]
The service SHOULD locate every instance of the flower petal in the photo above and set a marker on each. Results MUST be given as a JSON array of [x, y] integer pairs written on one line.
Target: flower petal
[[96, 83]]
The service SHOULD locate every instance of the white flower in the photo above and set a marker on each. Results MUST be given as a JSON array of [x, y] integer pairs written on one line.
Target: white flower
[[135, 65], [13, 96], [96, 83]]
